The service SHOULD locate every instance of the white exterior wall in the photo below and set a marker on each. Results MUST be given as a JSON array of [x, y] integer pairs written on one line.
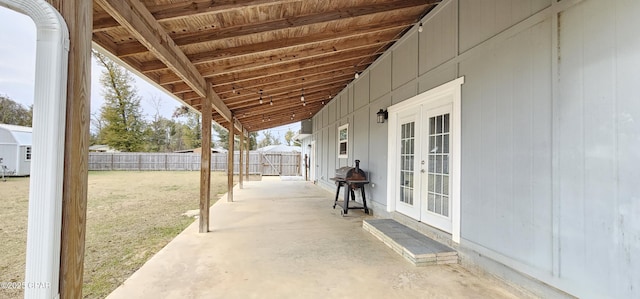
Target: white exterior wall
[[550, 134], [13, 154], [23, 166], [8, 153]]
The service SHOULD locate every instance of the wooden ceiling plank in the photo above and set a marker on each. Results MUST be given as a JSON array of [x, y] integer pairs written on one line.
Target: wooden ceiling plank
[[302, 58], [173, 11], [138, 20], [283, 90], [309, 68], [354, 37], [133, 15], [336, 68], [295, 77], [292, 22], [288, 71], [283, 105], [281, 97], [190, 38], [257, 124], [280, 81], [105, 42]]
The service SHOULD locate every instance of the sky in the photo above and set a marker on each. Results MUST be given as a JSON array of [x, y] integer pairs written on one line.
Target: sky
[[17, 72]]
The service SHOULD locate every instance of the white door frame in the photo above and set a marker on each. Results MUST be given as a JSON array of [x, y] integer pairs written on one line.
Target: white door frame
[[452, 91]]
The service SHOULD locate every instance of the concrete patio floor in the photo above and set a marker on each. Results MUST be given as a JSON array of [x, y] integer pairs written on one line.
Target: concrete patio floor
[[281, 239]]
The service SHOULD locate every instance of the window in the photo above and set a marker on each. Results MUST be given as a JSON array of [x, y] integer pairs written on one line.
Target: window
[[343, 141], [27, 153]]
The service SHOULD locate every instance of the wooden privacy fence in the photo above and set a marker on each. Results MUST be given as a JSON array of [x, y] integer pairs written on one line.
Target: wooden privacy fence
[[266, 163]]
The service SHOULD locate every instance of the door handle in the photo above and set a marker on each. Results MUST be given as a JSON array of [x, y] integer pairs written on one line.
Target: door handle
[[422, 170]]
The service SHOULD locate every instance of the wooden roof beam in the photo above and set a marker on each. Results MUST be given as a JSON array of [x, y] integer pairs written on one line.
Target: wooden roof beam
[[299, 69], [284, 97], [257, 124], [291, 22], [288, 71], [216, 34], [226, 90], [301, 62], [371, 46], [356, 37], [290, 104], [135, 17], [328, 78], [173, 11]]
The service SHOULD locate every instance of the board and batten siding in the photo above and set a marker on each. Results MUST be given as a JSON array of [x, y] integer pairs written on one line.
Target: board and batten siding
[[506, 151], [550, 135], [598, 135]]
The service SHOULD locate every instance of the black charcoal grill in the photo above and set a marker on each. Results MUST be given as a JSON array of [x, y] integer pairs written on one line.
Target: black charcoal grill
[[351, 178]]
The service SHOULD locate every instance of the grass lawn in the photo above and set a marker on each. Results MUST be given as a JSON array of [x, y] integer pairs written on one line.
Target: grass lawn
[[130, 217]]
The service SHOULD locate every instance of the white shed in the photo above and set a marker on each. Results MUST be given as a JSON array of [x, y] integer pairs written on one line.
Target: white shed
[[15, 150]]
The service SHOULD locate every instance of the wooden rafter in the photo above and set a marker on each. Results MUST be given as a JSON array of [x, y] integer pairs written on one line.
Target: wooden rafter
[[277, 57], [186, 9], [313, 43], [215, 34], [277, 46], [277, 92], [138, 20]]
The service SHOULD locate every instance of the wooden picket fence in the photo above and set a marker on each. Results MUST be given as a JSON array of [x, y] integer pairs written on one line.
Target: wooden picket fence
[[265, 163]]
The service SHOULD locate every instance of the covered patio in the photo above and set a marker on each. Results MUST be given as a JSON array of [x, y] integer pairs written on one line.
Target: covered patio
[[274, 244], [248, 65]]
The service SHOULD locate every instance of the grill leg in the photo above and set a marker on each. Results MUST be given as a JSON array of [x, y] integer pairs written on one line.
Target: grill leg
[[364, 201], [335, 202], [346, 200]]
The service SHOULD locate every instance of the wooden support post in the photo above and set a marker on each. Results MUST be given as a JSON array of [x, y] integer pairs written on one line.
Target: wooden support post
[[79, 18], [230, 162], [205, 164], [240, 157], [246, 173]]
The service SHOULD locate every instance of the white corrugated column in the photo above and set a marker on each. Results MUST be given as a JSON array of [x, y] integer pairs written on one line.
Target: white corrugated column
[[45, 195]]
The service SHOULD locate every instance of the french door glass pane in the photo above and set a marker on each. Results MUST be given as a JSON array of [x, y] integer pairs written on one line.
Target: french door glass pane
[[438, 168], [438, 208], [445, 206], [407, 136]]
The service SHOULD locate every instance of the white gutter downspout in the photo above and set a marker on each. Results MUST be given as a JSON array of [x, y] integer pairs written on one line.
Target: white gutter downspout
[[49, 111]]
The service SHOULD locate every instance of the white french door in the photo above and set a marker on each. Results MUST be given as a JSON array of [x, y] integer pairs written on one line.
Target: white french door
[[407, 180], [435, 180], [424, 158]]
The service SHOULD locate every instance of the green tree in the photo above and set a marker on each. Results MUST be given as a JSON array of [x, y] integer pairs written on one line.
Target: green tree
[[191, 129], [253, 140], [123, 127], [223, 136], [288, 137], [267, 139], [13, 113], [276, 140], [159, 135]]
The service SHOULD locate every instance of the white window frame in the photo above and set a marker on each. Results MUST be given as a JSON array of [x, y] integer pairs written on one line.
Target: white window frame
[[27, 153], [345, 141]]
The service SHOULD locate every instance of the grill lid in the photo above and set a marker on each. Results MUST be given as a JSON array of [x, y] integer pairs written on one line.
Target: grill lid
[[351, 173]]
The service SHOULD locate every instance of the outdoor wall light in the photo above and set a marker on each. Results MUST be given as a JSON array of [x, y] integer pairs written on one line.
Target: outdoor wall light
[[382, 115]]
